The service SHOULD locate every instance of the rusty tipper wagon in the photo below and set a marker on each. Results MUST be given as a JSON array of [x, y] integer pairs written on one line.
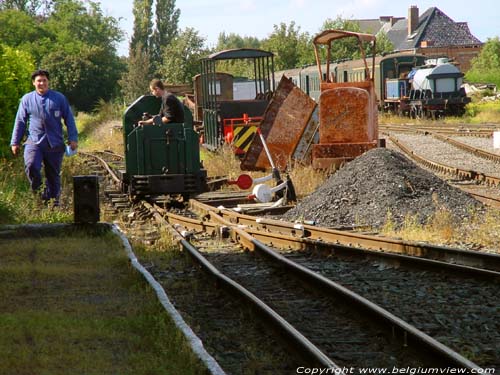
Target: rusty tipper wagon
[[347, 110]]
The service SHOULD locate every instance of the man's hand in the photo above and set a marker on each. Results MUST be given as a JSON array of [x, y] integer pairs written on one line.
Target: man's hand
[[73, 145], [144, 122], [15, 149]]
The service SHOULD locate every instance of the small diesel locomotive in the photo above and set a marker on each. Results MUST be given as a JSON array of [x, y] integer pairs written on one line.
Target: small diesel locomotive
[[160, 158]]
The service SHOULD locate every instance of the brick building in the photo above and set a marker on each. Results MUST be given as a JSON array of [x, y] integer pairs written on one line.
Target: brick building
[[432, 33]]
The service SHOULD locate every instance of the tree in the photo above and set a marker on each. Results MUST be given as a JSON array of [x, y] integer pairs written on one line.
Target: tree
[[30, 7], [166, 29], [346, 48], [81, 53], [15, 72], [18, 29], [143, 25], [135, 82], [75, 75], [486, 66], [238, 68], [232, 41], [384, 44], [181, 58], [286, 42]]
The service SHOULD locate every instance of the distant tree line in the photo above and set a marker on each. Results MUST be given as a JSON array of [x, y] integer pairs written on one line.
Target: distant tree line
[[77, 43]]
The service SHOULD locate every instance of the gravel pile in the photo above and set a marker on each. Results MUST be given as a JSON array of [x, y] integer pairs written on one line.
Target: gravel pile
[[378, 182]]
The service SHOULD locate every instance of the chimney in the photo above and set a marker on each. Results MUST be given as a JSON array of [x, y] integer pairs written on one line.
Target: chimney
[[412, 19]]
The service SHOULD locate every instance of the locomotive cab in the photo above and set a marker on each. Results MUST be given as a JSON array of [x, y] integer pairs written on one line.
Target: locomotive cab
[[160, 158]]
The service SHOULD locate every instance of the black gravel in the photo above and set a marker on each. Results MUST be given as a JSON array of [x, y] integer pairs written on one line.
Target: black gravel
[[379, 182]]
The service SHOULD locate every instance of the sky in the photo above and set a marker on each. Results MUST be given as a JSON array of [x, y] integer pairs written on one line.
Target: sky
[[257, 17]]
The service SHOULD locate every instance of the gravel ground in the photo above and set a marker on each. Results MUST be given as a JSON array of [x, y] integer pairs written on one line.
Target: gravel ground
[[482, 143], [378, 182], [445, 153]]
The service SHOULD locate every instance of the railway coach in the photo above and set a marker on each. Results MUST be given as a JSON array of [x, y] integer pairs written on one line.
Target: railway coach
[[405, 83]]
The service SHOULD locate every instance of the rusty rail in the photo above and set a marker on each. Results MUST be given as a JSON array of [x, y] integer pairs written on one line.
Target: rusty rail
[[309, 235], [473, 150], [446, 169]]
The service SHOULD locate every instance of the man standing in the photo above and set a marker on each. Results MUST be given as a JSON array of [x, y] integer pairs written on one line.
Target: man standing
[[171, 108], [41, 111]]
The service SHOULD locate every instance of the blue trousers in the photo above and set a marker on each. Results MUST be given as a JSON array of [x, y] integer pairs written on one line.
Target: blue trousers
[[51, 157]]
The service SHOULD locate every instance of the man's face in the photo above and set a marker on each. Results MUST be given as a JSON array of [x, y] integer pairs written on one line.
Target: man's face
[[156, 91], [41, 84]]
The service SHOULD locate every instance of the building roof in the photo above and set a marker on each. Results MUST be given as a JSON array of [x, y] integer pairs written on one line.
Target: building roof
[[435, 28], [371, 26]]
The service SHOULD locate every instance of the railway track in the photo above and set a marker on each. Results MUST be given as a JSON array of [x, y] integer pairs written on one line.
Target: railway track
[[473, 169], [248, 269]]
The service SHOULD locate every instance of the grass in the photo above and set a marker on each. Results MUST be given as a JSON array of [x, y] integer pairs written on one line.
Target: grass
[[478, 232], [70, 303], [224, 163], [19, 205], [476, 113]]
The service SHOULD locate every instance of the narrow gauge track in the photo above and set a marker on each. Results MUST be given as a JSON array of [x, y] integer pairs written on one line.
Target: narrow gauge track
[[340, 333], [343, 334], [454, 162], [460, 311], [458, 305], [301, 236], [410, 340], [230, 332], [463, 130]]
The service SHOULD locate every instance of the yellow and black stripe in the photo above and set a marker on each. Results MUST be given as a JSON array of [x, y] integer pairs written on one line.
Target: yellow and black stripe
[[243, 136]]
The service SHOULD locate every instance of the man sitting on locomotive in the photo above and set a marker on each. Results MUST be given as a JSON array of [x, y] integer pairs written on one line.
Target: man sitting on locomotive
[[171, 109]]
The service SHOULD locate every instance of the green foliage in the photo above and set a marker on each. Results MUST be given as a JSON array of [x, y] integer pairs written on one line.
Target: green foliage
[[18, 29], [74, 75], [384, 44], [72, 22], [234, 41], [238, 68], [135, 81], [486, 66], [75, 42], [346, 48], [286, 42], [181, 58], [166, 29], [483, 112], [83, 48], [143, 24], [15, 71], [30, 7]]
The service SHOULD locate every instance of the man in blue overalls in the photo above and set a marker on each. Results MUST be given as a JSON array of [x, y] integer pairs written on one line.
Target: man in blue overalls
[[41, 112]]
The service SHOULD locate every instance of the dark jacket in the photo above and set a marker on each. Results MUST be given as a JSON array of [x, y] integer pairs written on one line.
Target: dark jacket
[[172, 108]]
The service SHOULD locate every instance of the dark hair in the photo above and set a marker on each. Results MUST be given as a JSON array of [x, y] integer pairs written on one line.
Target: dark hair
[[39, 72], [157, 83]]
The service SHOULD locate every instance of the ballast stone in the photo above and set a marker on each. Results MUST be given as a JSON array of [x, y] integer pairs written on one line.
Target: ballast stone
[[379, 183]]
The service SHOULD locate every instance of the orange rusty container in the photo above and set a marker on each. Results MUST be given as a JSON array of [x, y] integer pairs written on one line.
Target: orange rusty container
[[348, 114]]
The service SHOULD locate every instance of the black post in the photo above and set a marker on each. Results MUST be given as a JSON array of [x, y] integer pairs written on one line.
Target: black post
[[86, 199]]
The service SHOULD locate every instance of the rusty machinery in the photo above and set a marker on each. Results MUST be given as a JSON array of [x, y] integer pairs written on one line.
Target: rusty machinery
[[348, 122]]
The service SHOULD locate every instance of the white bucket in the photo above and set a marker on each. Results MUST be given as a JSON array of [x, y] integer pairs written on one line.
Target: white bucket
[[496, 139]]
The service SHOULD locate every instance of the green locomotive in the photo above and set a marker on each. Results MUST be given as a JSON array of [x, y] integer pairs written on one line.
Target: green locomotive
[[161, 158]]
